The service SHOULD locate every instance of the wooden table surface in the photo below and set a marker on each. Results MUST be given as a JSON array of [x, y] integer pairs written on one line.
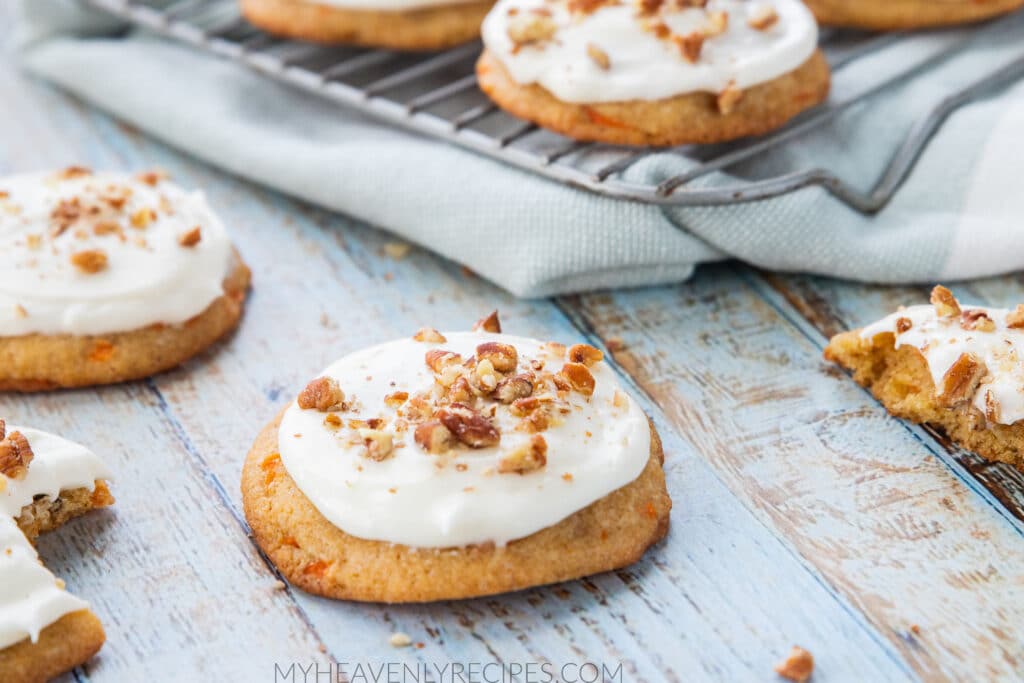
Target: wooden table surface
[[803, 513]]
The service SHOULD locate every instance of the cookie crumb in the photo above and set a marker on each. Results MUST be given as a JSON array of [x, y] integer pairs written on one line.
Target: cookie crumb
[[279, 585], [798, 665], [400, 640], [397, 250]]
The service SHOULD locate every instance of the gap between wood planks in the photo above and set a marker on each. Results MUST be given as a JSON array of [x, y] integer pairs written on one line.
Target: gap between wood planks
[[774, 292]]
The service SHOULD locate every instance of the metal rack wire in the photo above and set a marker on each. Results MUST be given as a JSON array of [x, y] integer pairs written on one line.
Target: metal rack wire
[[436, 95]]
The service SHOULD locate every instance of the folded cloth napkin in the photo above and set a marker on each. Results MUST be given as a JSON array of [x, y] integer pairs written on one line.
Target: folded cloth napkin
[[959, 214]]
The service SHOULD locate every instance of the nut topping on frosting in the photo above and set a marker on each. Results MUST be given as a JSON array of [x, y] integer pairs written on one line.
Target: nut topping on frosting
[[945, 303], [89, 260], [595, 51], [974, 354], [190, 238], [469, 426], [322, 394], [763, 18], [468, 439], [527, 458], [15, 454], [429, 334], [488, 324], [76, 222]]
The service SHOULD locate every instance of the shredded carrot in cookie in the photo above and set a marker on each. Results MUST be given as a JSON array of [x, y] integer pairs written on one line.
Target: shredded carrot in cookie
[[318, 568], [102, 351], [602, 120]]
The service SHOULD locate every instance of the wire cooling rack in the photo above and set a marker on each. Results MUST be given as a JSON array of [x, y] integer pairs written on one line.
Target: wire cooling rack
[[436, 94]]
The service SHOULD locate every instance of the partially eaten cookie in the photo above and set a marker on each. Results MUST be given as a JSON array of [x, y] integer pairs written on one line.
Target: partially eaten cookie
[[44, 482], [955, 367]]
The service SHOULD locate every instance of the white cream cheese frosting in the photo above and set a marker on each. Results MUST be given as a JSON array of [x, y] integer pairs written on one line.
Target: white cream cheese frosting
[[143, 274], [389, 5], [641, 63], [594, 445], [30, 597], [943, 339]]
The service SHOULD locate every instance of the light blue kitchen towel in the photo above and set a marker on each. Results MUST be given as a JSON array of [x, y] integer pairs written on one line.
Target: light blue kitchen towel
[[959, 215]]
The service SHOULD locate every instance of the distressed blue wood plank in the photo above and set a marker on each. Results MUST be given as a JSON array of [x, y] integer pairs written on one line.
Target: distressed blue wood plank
[[853, 491]]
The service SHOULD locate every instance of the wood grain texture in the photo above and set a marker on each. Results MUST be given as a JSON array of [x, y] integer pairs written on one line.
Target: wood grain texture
[[802, 514], [857, 494]]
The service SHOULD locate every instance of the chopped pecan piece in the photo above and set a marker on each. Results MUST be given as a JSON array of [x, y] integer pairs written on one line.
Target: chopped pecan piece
[[903, 324], [379, 445], [945, 303], [322, 394], [977, 319], [15, 455], [599, 57], [151, 178], [578, 377], [439, 359], [513, 389], [89, 260], [729, 98], [460, 391], [434, 437], [418, 408], [429, 334], [536, 420], [962, 379], [74, 172], [717, 24], [503, 357], [64, 215], [530, 29], [142, 218], [190, 238], [1015, 318], [992, 410], [524, 406], [763, 18], [485, 377], [469, 426], [396, 399], [585, 354], [527, 458], [798, 665], [690, 45], [489, 323]]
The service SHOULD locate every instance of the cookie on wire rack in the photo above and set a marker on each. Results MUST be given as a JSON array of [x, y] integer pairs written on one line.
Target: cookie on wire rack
[[902, 15], [656, 73], [393, 24]]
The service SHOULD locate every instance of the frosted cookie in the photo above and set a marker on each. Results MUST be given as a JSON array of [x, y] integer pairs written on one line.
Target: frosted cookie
[[957, 368], [456, 465], [653, 72], [394, 24], [44, 481], [893, 15], [109, 277]]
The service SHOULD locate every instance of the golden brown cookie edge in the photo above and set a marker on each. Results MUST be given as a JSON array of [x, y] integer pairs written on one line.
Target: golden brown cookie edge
[[38, 362], [428, 28], [898, 15], [63, 645], [318, 557], [684, 119]]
